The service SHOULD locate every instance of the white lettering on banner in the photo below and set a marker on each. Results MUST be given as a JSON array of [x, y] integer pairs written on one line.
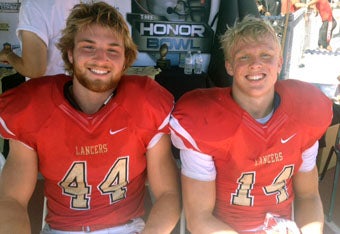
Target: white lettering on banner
[[170, 29]]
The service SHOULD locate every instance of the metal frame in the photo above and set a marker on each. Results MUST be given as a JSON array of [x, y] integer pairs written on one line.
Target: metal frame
[[335, 150]]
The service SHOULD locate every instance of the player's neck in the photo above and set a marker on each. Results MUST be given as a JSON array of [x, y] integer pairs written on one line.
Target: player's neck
[[87, 102], [257, 107], [261, 111]]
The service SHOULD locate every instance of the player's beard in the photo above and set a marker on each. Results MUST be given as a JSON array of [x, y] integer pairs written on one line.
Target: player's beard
[[97, 85]]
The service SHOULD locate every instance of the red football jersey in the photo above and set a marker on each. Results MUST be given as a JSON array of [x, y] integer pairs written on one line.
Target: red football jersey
[[94, 165], [254, 162]]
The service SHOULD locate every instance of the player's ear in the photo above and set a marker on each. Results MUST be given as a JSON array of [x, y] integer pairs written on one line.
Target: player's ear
[[280, 63], [70, 56], [228, 67]]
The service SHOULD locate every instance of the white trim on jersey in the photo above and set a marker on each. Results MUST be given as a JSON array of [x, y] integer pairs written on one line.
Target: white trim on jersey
[[176, 140], [201, 167], [165, 122], [158, 135], [155, 140], [309, 158], [3, 124]]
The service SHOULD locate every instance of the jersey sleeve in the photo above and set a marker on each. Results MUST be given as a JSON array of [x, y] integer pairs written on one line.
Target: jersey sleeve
[[156, 104], [198, 118], [183, 121], [159, 103], [23, 111], [309, 158], [148, 103], [308, 107], [202, 168], [13, 104]]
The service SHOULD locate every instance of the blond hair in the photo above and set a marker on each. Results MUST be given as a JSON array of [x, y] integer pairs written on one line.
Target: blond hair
[[101, 13], [249, 29]]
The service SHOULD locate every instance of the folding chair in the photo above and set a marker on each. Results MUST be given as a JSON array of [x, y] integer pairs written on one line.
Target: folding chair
[[2, 161], [335, 150], [44, 214]]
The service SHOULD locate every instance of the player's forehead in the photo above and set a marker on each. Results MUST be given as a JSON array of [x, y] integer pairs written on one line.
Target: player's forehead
[[259, 40]]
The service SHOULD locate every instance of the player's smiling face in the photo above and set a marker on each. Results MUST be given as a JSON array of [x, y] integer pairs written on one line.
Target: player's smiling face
[[255, 66], [98, 58]]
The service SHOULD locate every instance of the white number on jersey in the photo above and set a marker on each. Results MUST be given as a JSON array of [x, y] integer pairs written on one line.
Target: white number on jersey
[[74, 183], [246, 182]]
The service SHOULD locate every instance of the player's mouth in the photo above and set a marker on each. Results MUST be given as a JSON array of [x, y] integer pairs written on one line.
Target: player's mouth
[[255, 77], [99, 71]]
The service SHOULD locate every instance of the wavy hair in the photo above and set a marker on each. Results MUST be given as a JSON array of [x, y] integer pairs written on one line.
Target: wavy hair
[[101, 13]]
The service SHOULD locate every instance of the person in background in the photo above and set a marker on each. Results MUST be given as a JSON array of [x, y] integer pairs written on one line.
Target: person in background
[[39, 28], [40, 23], [328, 22], [290, 6], [248, 152], [270, 7], [95, 136]]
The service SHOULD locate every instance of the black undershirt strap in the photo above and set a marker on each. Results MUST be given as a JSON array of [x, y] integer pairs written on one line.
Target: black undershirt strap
[[70, 99], [277, 100]]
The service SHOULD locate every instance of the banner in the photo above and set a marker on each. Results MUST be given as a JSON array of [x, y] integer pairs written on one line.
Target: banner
[[182, 25]]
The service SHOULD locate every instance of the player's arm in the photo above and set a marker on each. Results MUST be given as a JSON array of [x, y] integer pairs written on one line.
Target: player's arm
[[199, 202], [33, 61], [163, 179], [298, 4], [307, 205], [17, 183], [312, 3]]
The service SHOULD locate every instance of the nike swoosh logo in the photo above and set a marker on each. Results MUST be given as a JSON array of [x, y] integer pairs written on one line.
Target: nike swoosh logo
[[284, 141], [117, 131]]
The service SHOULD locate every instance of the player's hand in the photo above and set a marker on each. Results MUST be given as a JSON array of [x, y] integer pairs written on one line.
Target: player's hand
[[273, 224], [4, 54]]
